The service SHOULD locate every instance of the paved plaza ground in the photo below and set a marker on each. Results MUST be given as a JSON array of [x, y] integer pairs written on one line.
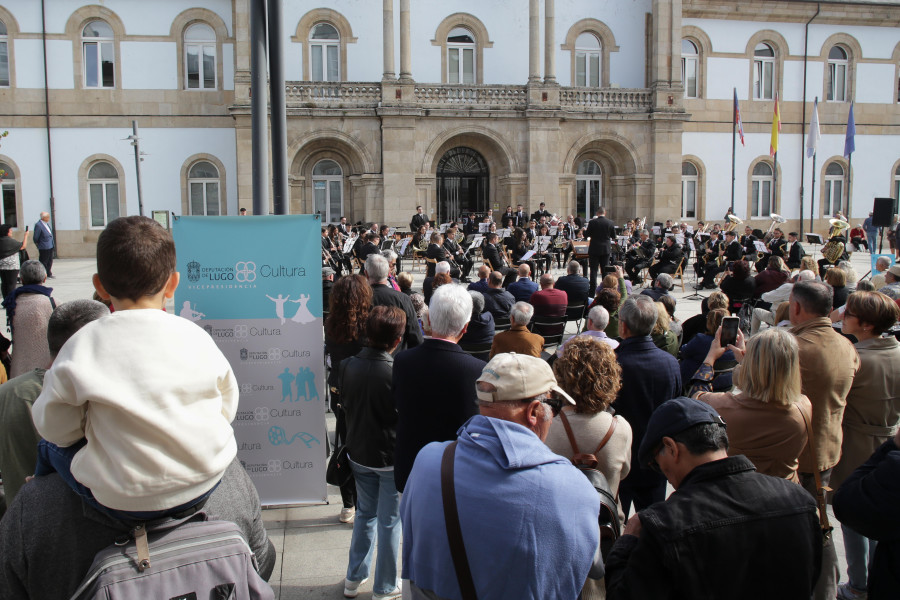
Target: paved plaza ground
[[312, 544]]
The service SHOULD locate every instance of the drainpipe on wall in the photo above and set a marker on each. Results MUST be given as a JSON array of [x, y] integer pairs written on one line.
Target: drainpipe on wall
[[47, 121], [803, 123]]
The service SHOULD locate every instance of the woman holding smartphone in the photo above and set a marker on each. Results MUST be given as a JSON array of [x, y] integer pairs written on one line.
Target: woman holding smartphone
[[766, 411]]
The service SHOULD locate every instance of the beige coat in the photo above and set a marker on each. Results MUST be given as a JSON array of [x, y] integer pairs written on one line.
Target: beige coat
[[772, 436], [519, 340], [30, 349], [873, 405], [828, 364]]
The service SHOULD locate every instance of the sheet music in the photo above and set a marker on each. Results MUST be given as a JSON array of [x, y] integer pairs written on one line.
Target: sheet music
[[348, 245], [679, 237], [543, 242], [391, 231], [656, 230], [484, 227], [622, 240], [527, 256], [553, 229], [691, 245], [476, 241], [690, 229], [401, 247], [760, 247], [503, 233], [444, 227]]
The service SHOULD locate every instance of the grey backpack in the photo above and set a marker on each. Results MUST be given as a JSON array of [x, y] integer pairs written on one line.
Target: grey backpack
[[187, 559]]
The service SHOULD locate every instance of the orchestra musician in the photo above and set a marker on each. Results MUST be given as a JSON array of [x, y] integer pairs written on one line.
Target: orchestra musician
[[776, 247], [521, 217], [438, 253], [342, 227], [710, 252], [519, 248], [747, 242], [794, 251], [335, 248], [470, 225], [508, 216], [545, 257], [541, 212], [531, 231], [639, 256], [729, 252], [369, 247], [669, 258], [463, 262], [495, 257], [419, 219]]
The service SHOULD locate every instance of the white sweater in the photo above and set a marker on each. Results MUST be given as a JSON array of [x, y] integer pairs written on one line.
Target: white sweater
[[154, 397]]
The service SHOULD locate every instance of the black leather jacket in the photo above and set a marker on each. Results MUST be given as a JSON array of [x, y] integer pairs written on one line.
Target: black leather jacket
[[727, 532], [368, 400]]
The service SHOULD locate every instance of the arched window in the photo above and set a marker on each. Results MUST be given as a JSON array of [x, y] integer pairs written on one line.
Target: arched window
[[763, 72], [8, 196], [837, 74], [588, 184], [324, 53], [761, 191], [4, 56], [103, 190], [460, 56], [833, 196], [689, 180], [203, 187], [99, 55], [328, 190], [200, 57], [588, 52], [690, 66]]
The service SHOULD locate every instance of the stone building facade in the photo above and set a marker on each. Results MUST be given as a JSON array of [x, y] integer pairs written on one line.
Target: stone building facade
[[401, 103]]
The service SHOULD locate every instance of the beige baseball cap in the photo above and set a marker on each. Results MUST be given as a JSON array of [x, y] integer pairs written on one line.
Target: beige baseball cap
[[517, 377]]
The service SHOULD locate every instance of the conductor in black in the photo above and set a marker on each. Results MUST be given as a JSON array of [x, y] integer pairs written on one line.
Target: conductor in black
[[601, 231]]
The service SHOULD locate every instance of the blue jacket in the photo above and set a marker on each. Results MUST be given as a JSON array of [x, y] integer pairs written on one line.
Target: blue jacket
[[650, 376], [522, 289], [43, 239], [528, 517]]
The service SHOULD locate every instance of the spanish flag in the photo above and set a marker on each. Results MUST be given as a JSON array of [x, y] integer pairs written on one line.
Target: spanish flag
[[776, 127]]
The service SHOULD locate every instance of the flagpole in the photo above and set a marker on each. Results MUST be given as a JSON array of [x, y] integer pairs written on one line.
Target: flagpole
[[849, 170], [775, 182], [733, 150], [812, 196]]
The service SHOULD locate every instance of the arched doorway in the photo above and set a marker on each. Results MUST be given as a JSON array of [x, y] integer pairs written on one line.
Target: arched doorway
[[328, 190], [462, 184]]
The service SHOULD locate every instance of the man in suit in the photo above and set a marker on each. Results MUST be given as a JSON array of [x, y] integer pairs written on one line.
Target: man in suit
[[464, 263], [576, 287], [342, 227], [497, 301], [794, 251], [638, 261], [523, 287], [541, 212], [492, 254], [440, 372], [437, 251], [43, 239], [650, 376], [601, 231], [521, 217], [369, 248], [377, 270]]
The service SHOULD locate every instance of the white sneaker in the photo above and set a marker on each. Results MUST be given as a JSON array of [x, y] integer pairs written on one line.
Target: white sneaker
[[846, 592], [391, 595], [351, 588], [347, 515]]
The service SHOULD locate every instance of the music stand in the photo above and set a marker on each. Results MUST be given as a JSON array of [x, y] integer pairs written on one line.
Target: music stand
[[815, 239]]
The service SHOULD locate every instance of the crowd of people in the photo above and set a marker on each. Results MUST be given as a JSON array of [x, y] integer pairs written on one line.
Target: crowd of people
[[802, 406]]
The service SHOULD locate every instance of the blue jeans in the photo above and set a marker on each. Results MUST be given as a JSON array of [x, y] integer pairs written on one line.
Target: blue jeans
[[52, 458], [859, 551], [377, 499]]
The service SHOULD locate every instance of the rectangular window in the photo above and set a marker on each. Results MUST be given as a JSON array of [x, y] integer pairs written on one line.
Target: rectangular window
[[334, 197], [581, 197], [595, 70], [580, 70], [453, 65], [689, 71], [197, 199], [99, 65], [112, 202], [468, 65], [837, 82], [766, 200], [316, 58], [4, 65], [688, 199], [97, 212], [754, 199], [209, 67], [763, 80], [320, 190], [9, 206], [333, 67], [212, 199], [104, 203], [193, 67], [91, 66]]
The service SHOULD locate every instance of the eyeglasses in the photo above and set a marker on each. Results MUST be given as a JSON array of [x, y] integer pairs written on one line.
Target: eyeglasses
[[653, 464], [554, 402]]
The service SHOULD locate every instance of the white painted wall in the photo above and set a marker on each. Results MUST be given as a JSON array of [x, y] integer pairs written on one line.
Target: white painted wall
[[149, 65], [871, 170], [228, 66], [167, 150], [875, 83]]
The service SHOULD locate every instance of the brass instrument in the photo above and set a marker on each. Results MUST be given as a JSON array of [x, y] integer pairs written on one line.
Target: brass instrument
[[459, 237], [776, 220], [560, 242], [834, 250], [733, 222]]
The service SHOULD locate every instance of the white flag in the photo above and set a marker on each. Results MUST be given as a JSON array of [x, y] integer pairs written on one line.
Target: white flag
[[812, 141]]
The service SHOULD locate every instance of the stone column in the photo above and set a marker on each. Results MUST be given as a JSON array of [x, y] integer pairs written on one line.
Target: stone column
[[405, 60], [534, 41], [549, 41], [388, 41]]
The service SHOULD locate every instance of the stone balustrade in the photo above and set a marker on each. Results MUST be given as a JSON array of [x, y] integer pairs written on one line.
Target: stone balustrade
[[494, 96], [605, 98], [326, 94]]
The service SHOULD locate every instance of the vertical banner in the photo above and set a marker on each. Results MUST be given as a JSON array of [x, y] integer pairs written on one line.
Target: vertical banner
[[255, 285]]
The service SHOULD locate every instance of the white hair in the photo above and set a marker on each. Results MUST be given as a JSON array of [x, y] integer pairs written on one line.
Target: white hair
[[390, 255], [521, 313], [806, 275], [449, 310], [599, 317], [376, 268], [442, 267]]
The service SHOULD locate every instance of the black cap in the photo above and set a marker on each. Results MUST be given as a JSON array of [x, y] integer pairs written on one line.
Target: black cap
[[671, 418]]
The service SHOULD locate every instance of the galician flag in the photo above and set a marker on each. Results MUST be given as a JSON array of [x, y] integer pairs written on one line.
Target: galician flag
[[776, 127], [737, 117], [812, 141], [849, 141]]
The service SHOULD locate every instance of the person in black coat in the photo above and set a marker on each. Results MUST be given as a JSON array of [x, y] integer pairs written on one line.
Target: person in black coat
[[419, 219], [669, 259], [795, 251], [367, 249], [384, 295], [601, 231], [434, 384], [576, 287], [493, 255], [869, 503]]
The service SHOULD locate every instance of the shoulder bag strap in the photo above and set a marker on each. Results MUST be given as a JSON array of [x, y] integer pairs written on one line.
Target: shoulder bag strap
[[569, 434], [609, 434], [820, 491], [454, 531]]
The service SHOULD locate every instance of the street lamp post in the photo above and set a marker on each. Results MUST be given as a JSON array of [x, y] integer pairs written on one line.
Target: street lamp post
[[136, 142]]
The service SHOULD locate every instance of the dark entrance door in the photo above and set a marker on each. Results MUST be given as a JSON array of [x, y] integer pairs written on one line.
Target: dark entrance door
[[462, 184]]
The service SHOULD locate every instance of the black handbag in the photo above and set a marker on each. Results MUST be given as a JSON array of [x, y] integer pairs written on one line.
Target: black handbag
[[338, 472]]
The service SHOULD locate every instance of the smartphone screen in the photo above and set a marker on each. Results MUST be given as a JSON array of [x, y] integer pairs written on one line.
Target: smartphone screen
[[729, 331]]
